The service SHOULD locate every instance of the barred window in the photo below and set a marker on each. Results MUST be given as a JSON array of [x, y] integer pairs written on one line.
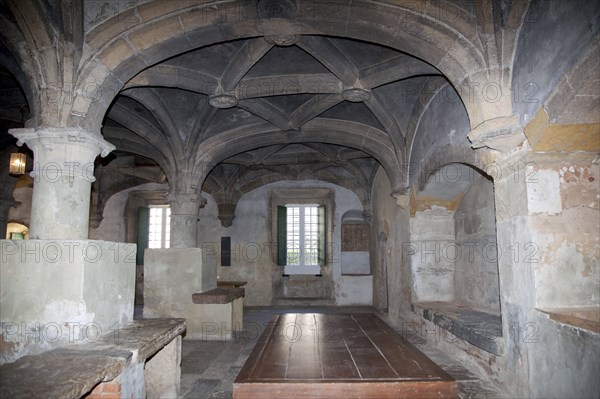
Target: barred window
[[159, 227], [301, 236]]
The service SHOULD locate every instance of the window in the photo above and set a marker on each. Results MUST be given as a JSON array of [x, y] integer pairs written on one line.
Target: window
[[301, 238], [304, 245], [159, 228]]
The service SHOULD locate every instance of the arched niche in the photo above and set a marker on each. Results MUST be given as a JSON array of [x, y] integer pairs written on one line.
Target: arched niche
[[454, 255], [355, 244], [17, 231]]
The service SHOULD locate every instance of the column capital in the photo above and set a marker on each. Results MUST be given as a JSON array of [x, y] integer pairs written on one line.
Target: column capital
[[63, 169], [226, 213], [503, 134], [47, 138], [69, 152], [402, 197], [185, 203], [184, 217]]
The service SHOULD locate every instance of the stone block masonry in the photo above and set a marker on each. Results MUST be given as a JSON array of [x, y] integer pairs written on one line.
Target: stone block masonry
[[62, 291]]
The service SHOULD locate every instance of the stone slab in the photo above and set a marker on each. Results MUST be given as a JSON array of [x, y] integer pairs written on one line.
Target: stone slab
[[60, 373], [143, 337], [218, 295], [72, 371], [481, 329]]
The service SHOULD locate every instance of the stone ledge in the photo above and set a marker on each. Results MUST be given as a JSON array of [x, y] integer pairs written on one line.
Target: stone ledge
[[142, 337], [230, 283], [60, 373], [218, 296], [584, 317], [73, 370], [481, 329]]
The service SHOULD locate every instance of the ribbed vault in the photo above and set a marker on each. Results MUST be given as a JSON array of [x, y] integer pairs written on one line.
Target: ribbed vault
[[195, 88]]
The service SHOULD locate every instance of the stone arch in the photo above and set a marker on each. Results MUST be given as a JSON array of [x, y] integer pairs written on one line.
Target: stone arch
[[366, 138], [159, 30], [454, 219], [43, 44], [227, 197], [452, 154]]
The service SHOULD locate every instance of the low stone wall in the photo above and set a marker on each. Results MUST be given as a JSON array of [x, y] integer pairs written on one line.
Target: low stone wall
[[173, 276], [56, 292]]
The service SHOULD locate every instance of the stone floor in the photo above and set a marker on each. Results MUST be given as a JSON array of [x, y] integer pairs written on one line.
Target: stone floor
[[209, 368]]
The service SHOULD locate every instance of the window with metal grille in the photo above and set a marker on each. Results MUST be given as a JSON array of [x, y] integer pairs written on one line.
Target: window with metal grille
[[159, 227], [301, 237]]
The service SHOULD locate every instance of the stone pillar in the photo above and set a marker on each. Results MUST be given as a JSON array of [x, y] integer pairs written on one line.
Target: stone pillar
[[63, 172], [58, 280], [184, 218], [515, 271], [503, 145]]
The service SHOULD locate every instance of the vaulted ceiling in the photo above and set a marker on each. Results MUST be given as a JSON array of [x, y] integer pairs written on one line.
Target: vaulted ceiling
[[315, 107], [13, 106], [226, 96]]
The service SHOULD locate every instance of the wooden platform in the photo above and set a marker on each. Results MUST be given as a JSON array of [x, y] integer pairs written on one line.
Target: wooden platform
[[338, 356]]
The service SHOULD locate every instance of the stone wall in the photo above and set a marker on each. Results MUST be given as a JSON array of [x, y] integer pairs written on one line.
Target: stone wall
[[563, 207], [171, 277], [390, 235], [476, 266], [563, 200], [114, 218], [251, 245], [431, 248], [81, 290], [250, 240]]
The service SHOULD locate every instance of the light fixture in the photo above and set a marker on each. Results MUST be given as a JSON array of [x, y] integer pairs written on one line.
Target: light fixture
[[17, 164]]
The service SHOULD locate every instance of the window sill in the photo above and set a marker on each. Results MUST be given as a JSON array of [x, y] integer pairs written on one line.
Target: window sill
[[302, 270], [585, 317]]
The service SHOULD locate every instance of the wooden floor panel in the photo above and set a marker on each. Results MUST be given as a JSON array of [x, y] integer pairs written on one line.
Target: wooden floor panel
[[313, 355]]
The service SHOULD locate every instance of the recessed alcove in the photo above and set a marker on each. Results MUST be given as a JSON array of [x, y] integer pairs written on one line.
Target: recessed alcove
[[454, 256], [355, 244], [478, 328]]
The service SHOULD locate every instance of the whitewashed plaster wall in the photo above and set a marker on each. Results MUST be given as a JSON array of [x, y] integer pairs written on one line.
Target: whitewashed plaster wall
[[112, 227], [564, 207], [251, 258]]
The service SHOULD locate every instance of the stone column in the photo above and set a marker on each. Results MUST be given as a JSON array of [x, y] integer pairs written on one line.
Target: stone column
[[515, 271], [63, 172], [184, 218], [58, 279], [503, 146]]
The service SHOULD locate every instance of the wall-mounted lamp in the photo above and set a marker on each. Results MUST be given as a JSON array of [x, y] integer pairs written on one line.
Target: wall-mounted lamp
[[17, 164]]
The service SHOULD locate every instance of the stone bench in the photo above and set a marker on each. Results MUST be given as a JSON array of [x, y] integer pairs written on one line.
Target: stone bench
[[481, 329], [143, 359], [222, 312]]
